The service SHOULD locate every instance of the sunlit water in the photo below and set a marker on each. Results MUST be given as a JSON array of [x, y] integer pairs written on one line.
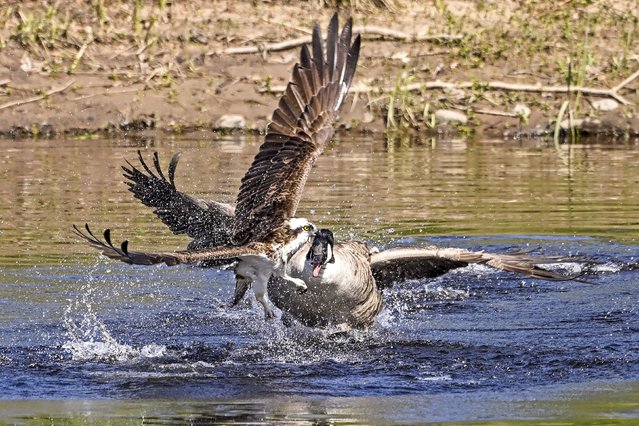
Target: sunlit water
[[86, 339]]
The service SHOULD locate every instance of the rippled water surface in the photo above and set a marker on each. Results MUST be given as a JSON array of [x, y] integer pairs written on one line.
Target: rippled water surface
[[87, 340]]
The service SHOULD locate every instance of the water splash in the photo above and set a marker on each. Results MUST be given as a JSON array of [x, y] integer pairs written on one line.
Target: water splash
[[88, 336]]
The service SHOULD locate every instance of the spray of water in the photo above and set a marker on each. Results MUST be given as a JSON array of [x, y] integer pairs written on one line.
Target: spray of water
[[88, 336]]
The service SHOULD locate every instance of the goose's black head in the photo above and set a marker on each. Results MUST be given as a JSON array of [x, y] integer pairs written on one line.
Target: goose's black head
[[321, 251]]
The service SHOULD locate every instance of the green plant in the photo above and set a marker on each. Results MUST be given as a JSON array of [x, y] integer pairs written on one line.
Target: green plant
[[136, 23], [100, 12], [400, 110], [42, 28], [171, 96], [267, 84]]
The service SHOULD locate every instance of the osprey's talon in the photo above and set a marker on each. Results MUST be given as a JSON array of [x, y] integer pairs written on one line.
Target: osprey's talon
[[300, 284], [302, 290]]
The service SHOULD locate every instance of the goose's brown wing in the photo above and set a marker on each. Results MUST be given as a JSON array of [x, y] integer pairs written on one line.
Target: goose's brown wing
[[123, 253], [404, 263], [301, 127], [209, 223]]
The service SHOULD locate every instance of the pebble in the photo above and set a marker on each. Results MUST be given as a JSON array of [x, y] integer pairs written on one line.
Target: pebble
[[231, 121], [450, 116], [605, 104]]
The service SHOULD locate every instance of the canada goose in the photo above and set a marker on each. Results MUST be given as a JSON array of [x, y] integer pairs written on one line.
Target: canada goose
[[345, 279], [261, 231]]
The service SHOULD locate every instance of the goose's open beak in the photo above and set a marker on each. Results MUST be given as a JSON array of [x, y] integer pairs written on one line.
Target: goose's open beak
[[317, 254], [316, 267], [321, 251]]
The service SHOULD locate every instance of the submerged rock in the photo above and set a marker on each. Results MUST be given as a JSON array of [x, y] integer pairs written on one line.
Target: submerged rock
[[594, 126], [231, 122]]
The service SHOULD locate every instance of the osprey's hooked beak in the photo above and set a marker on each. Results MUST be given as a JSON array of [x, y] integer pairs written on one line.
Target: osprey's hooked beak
[[321, 251]]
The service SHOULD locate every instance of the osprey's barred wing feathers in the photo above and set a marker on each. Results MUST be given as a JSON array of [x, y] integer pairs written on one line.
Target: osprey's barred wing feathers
[[123, 253], [301, 127], [209, 223]]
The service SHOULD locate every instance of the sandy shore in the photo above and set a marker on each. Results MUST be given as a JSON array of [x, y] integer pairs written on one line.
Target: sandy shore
[[496, 68]]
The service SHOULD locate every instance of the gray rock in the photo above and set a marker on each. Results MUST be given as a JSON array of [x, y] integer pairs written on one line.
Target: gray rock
[[605, 104], [450, 116], [231, 121]]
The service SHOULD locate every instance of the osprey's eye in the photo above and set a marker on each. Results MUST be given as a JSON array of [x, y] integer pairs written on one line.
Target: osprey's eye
[[307, 227]]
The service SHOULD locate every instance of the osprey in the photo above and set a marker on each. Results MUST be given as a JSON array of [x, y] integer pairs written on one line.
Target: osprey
[[261, 233], [271, 248], [257, 260]]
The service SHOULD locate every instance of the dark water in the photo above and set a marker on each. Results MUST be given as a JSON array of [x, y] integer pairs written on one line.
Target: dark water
[[83, 339]]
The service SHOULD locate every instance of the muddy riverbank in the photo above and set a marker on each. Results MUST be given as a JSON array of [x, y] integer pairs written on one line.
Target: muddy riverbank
[[86, 69]]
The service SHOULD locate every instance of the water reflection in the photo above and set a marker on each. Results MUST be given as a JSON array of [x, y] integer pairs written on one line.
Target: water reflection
[[359, 187], [597, 403]]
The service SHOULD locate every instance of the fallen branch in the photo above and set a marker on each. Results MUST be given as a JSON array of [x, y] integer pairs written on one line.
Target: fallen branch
[[398, 56], [376, 32], [5, 82], [39, 97], [494, 85], [488, 112], [107, 92], [383, 32], [626, 81]]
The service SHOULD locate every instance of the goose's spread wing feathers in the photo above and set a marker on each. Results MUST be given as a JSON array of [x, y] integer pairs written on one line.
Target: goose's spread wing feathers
[[123, 253], [207, 222], [403, 263], [301, 127]]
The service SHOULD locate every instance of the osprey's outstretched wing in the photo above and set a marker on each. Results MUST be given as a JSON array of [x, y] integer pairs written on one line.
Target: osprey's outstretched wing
[[404, 263], [123, 253], [301, 127], [209, 223]]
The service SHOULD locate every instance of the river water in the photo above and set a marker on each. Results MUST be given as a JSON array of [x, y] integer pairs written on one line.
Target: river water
[[87, 340]]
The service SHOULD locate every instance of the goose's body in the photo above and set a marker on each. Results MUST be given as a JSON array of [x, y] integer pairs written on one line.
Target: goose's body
[[345, 291]]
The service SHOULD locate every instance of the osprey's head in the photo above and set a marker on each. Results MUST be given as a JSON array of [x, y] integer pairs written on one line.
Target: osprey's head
[[299, 231], [302, 226], [321, 251]]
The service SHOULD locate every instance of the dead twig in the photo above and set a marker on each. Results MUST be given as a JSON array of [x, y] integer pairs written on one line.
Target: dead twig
[[39, 97], [626, 82], [487, 111], [293, 27], [496, 85], [412, 55], [376, 32], [383, 32], [107, 92]]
